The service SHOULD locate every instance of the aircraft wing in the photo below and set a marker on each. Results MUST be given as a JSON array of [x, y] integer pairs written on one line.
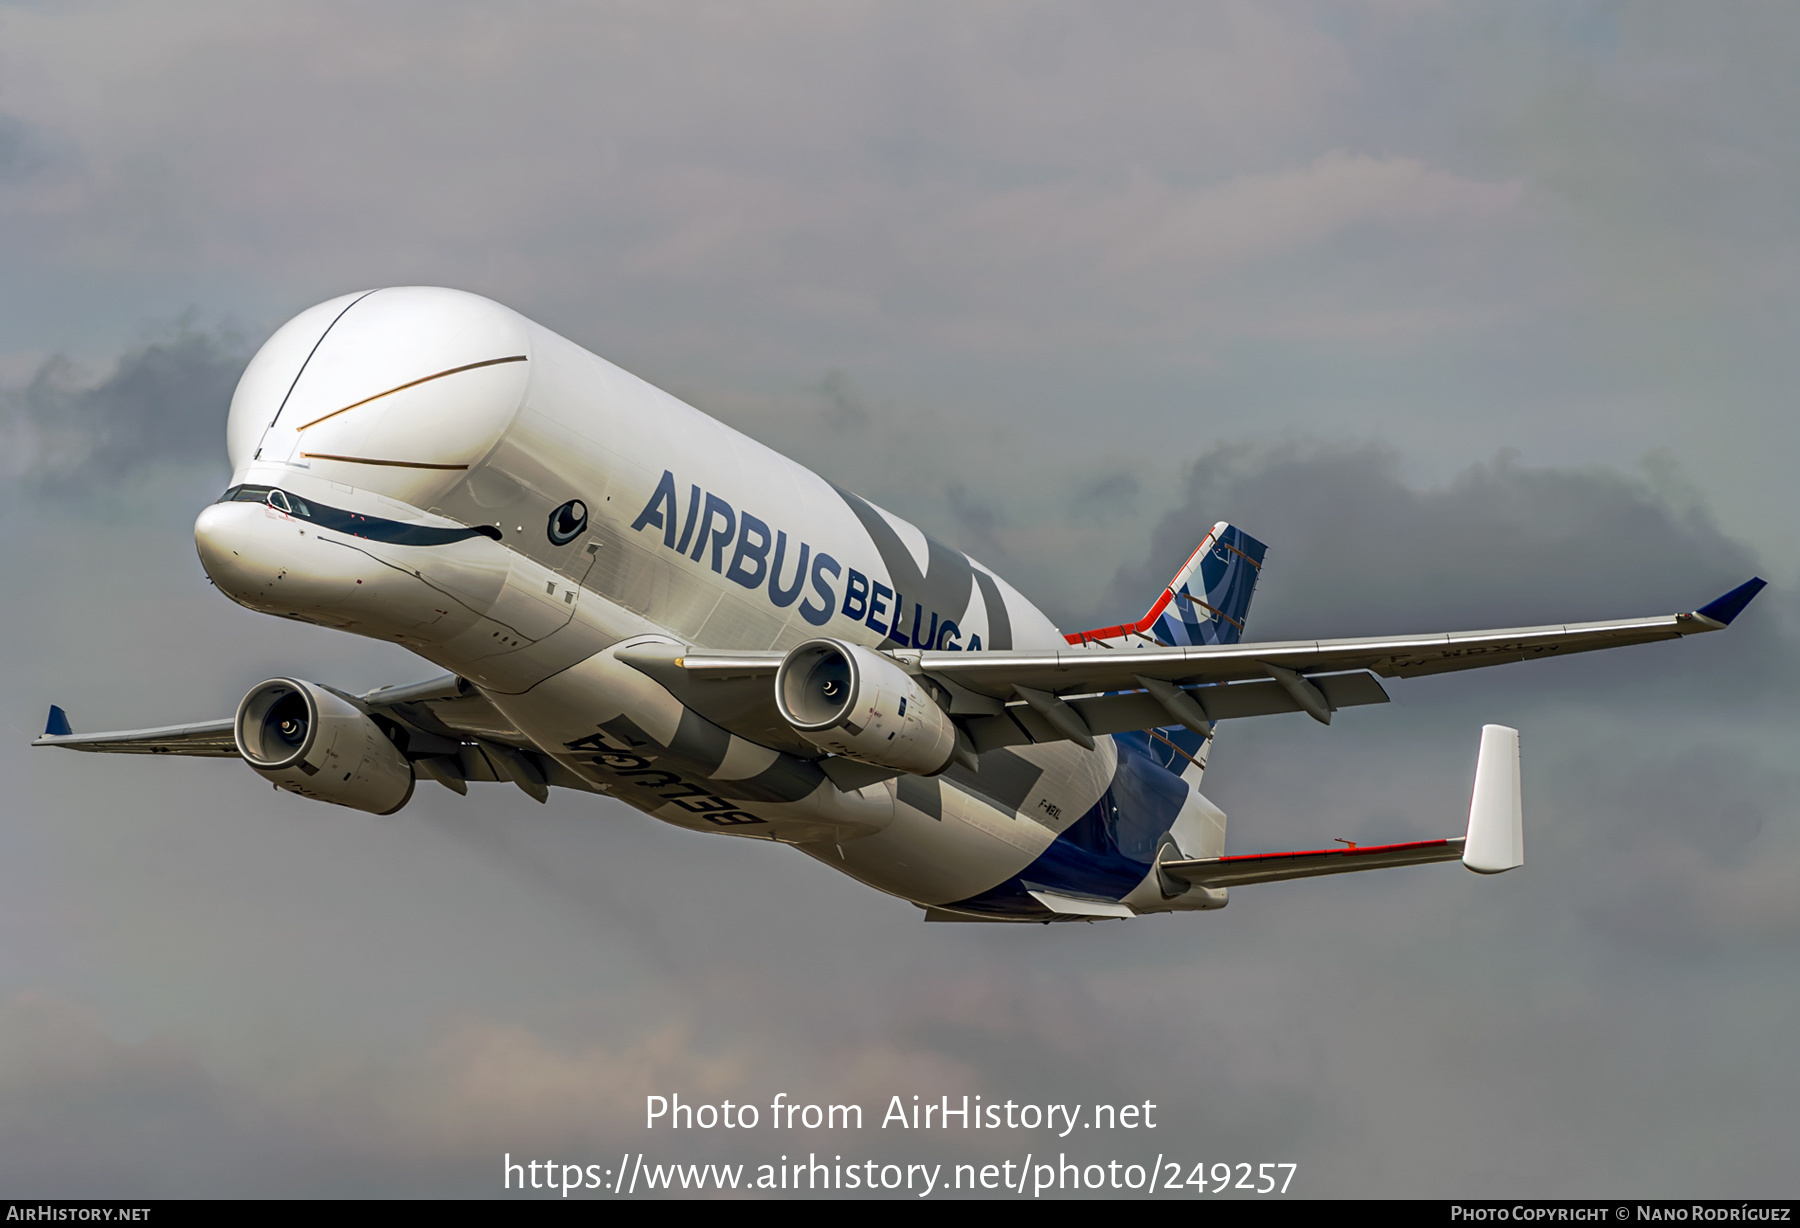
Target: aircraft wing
[[1006, 698], [445, 707], [211, 738], [452, 734], [1097, 669]]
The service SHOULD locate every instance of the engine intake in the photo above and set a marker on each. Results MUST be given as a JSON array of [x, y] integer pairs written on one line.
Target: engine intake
[[307, 740], [854, 702]]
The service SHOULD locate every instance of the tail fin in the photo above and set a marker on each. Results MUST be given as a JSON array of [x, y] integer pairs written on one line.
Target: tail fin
[[1207, 601]]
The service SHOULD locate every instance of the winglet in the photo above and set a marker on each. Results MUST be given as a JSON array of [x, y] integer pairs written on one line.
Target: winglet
[[1496, 840], [58, 724], [1723, 609]]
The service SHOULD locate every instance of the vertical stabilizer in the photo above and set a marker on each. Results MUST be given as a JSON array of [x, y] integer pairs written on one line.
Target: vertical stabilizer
[[1207, 602], [1209, 599]]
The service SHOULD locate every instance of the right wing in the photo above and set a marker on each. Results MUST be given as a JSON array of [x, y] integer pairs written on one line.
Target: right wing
[[211, 738], [453, 735], [446, 707]]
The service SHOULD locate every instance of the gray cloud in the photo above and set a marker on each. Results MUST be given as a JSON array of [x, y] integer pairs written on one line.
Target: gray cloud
[[1357, 550], [1052, 252], [1687, 812], [25, 150], [162, 404], [1107, 497], [845, 408]]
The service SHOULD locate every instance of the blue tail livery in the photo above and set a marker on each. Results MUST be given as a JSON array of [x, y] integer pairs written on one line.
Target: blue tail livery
[[1206, 603]]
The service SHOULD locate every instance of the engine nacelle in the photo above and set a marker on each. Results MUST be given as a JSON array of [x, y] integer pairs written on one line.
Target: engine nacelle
[[853, 702], [304, 739]]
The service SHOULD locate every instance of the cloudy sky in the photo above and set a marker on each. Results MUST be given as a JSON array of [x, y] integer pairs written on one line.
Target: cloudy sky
[[1478, 314]]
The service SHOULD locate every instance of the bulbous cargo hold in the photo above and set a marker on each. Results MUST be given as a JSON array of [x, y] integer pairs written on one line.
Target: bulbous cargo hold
[[850, 701], [307, 740]]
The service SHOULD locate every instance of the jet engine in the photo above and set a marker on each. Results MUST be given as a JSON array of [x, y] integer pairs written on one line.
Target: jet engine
[[857, 703], [310, 741]]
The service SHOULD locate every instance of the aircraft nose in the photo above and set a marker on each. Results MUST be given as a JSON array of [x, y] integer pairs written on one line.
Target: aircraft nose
[[238, 550], [223, 536]]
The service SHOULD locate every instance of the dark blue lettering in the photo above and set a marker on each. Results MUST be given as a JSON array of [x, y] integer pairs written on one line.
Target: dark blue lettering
[[687, 533], [877, 619], [783, 598], [818, 617], [717, 512], [759, 552], [931, 633], [946, 636], [974, 643], [894, 632], [653, 513], [856, 590]]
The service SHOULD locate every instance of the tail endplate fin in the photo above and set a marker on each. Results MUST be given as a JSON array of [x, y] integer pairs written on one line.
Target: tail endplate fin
[[1206, 603]]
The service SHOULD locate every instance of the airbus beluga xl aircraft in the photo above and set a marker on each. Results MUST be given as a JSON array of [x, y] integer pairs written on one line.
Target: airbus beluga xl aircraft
[[631, 599]]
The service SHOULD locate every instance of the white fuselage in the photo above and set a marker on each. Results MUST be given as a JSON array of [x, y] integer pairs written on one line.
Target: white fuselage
[[432, 407]]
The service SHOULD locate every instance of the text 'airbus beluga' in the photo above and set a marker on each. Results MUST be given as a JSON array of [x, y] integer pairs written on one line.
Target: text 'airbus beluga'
[[633, 599]]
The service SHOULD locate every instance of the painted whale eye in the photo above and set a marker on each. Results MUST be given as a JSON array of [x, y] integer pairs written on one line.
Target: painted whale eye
[[567, 522]]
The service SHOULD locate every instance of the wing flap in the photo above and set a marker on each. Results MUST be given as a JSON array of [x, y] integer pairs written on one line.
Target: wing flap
[[1021, 725]]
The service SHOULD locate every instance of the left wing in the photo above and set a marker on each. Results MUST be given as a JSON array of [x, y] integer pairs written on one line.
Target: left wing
[[1005, 698]]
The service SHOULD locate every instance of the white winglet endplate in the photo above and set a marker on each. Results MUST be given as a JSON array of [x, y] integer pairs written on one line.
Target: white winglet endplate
[[1496, 838]]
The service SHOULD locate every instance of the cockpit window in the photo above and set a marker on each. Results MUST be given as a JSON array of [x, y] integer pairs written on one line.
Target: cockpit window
[[355, 524], [293, 505]]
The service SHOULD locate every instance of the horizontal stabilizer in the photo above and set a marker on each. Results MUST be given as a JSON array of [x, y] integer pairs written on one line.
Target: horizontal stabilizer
[[1494, 841], [1274, 867], [1496, 836]]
